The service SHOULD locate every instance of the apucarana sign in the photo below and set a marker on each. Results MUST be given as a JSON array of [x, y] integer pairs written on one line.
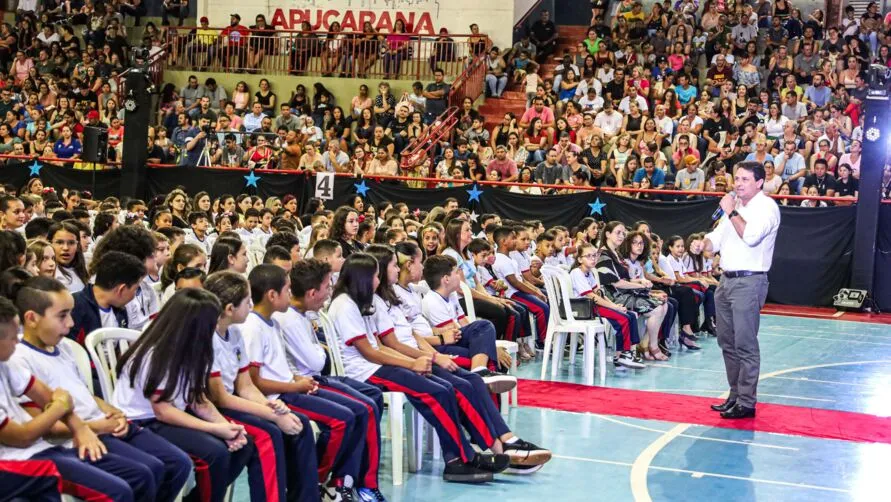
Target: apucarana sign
[[424, 17]]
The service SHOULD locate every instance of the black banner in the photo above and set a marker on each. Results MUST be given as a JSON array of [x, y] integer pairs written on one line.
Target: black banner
[[812, 259], [882, 279]]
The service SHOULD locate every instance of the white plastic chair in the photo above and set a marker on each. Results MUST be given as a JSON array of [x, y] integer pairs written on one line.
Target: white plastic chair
[[82, 359], [104, 345], [562, 322], [512, 348], [396, 402]]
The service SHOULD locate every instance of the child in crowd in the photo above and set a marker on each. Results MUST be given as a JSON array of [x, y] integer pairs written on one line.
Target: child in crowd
[[104, 475], [517, 289], [199, 236], [278, 465], [104, 303], [336, 400], [163, 385], [42, 353]]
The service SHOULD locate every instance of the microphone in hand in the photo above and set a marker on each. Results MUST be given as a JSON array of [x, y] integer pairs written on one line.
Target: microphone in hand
[[720, 212]]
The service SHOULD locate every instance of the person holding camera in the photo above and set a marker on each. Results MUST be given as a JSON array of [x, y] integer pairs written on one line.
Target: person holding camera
[[196, 144]]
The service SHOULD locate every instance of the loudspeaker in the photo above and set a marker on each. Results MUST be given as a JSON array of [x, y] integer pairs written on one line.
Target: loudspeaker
[[95, 147]]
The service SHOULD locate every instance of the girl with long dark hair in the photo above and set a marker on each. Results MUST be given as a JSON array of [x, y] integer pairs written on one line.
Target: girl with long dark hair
[[228, 253], [345, 230], [71, 267], [163, 386], [357, 319]]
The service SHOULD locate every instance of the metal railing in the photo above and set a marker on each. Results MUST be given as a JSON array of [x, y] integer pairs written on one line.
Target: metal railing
[[318, 53], [419, 151]]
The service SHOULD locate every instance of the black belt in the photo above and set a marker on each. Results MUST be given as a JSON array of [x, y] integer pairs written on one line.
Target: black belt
[[733, 274]]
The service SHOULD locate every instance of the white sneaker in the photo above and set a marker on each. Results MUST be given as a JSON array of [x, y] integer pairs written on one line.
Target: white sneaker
[[626, 359]]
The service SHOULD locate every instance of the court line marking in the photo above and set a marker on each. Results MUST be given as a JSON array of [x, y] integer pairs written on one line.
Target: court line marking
[[639, 489], [795, 379], [704, 474], [836, 340], [886, 333], [691, 436], [713, 391]]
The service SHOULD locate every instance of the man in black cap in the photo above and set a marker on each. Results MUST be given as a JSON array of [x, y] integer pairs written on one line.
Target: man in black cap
[[237, 37]]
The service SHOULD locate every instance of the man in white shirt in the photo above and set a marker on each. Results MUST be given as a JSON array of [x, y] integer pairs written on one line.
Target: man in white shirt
[[633, 97], [745, 237], [608, 121]]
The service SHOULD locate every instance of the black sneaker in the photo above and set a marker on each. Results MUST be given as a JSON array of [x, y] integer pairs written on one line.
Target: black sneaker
[[491, 462], [630, 360], [497, 382], [526, 454], [459, 472], [523, 470]]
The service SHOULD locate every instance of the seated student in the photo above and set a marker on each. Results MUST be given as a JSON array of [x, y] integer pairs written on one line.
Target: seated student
[[500, 311], [264, 231], [287, 240], [664, 279], [278, 256], [330, 252], [701, 268], [544, 250], [198, 235], [186, 256], [624, 322], [103, 304], [336, 401], [633, 252], [520, 256], [680, 264], [249, 225], [229, 253], [270, 373], [366, 360], [268, 421], [518, 289], [53, 363], [163, 381], [480, 251], [455, 335], [480, 416], [141, 244], [175, 235], [106, 475], [71, 266]]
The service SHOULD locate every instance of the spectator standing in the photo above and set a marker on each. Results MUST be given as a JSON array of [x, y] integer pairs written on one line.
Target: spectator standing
[[543, 33]]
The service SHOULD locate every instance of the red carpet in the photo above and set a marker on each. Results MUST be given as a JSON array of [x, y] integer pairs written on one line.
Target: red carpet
[[776, 418]]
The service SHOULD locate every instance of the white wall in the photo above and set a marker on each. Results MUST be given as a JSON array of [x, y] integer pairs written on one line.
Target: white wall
[[494, 17]]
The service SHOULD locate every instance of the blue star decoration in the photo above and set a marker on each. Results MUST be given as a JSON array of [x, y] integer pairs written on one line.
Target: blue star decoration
[[35, 168], [251, 179], [474, 193], [362, 188], [597, 207]]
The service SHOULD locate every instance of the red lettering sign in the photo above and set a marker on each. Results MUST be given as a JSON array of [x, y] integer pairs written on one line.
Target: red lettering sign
[[352, 20]]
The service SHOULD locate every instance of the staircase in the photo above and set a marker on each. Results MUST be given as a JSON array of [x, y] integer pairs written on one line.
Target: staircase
[[514, 100]]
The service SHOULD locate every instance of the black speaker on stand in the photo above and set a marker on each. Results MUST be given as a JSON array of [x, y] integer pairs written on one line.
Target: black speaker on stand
[[95, 148]]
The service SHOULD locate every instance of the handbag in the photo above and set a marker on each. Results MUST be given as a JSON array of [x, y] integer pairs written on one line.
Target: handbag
[[583, 309]]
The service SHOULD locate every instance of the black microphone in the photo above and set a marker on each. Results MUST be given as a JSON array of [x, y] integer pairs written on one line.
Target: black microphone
[[720, 212]]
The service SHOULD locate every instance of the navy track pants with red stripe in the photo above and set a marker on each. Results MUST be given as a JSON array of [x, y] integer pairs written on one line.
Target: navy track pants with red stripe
[[170, 466], [283, 466], [215, 466], [34, 480], [624, 324], [477, 337], [111, 478], [539, 310], [435, 402], [372, 399], [479, 415]]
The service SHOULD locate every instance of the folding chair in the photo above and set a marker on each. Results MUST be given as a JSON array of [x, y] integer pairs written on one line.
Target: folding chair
[[562, 322]]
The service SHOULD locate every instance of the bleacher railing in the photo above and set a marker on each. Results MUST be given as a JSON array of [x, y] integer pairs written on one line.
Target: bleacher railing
[[321, 53], [75, 163]]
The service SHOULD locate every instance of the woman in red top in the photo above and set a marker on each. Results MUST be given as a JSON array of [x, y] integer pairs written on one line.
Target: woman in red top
[[397, 49], [260, 155]]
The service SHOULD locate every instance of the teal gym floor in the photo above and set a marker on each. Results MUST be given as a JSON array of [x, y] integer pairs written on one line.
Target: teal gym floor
[[828, 364]]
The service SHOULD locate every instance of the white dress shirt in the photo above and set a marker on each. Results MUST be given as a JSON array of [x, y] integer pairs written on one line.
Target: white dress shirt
[[754, 250]]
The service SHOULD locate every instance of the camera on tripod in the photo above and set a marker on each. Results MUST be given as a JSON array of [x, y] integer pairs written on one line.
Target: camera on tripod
[[878, 80]]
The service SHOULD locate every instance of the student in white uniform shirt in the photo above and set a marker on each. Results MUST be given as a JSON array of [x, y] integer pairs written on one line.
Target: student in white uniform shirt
[[199, 231], [279, 468], [12, 213], [365, 359], [53, 363], [251, 220], [163, 386], [480, 416], [310, 283], [456, 335], [71, 267], [82, 462], [264, 230], [274, 376], [188, 260]]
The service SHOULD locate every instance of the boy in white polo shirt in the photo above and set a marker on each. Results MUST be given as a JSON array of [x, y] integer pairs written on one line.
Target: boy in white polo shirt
[[456, 335], [519, 290]]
